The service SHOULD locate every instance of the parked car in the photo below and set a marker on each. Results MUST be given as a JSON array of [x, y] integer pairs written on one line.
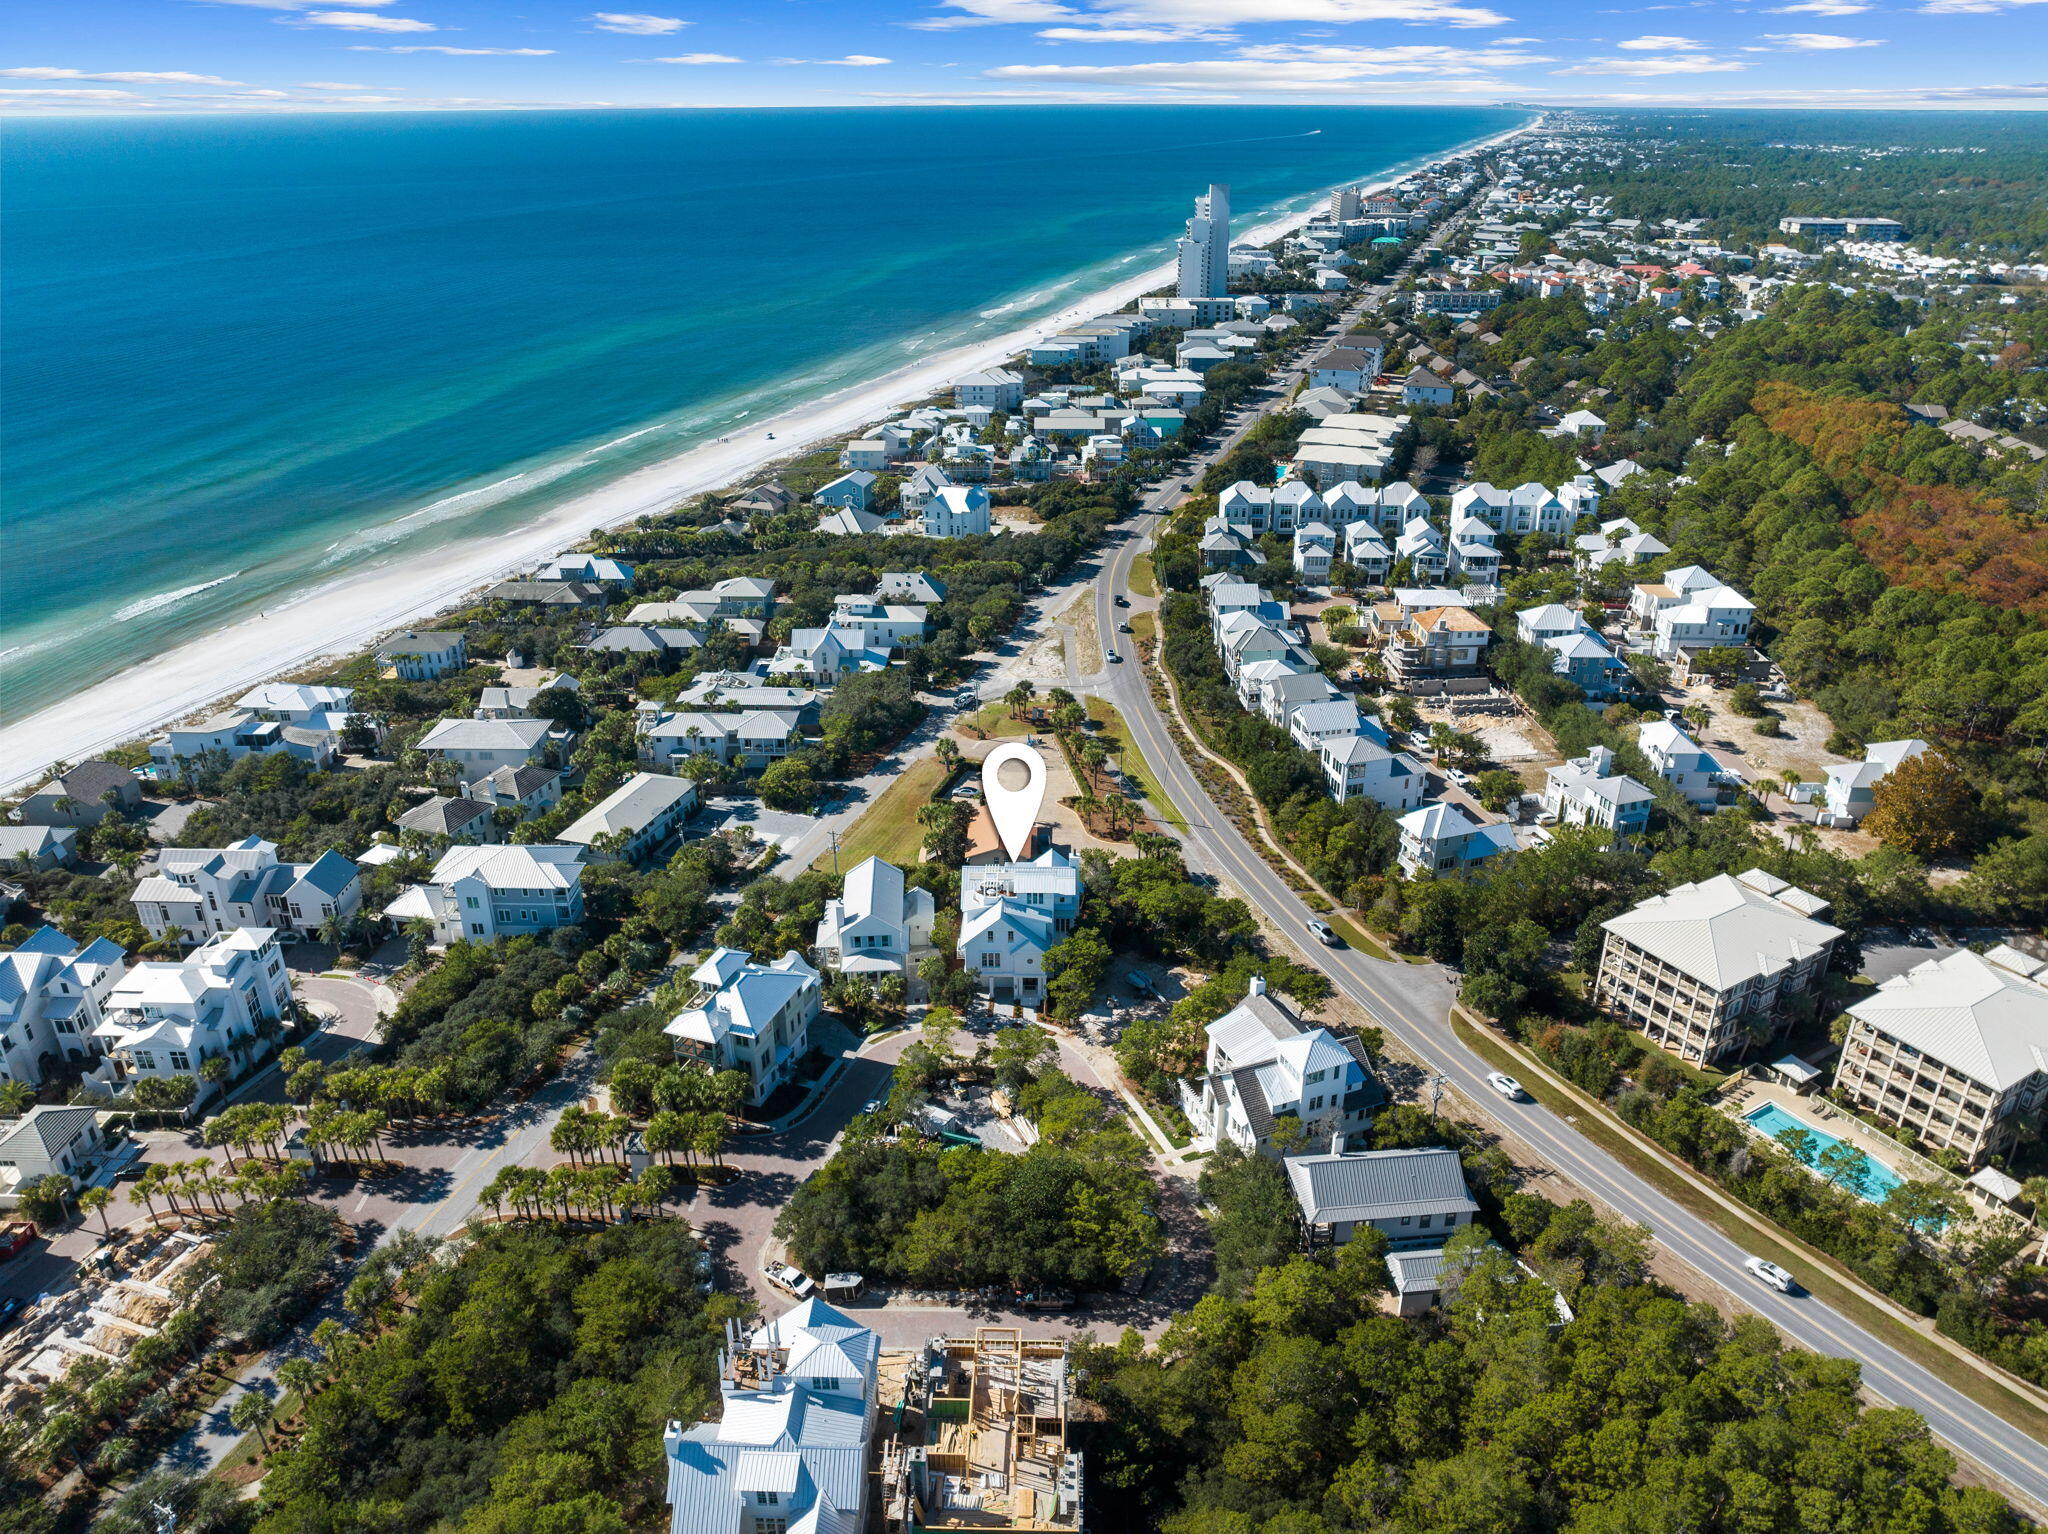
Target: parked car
[[1116, 658], [1506, 1085], [1770, 1273], [789, 1280], [1051, 1300], [1323, 932], [9, 1310], [1122, 600]]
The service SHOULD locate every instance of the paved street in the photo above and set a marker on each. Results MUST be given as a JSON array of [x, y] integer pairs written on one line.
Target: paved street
[[1412, 1003]]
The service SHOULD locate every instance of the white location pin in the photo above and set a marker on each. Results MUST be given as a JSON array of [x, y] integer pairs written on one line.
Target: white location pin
[[1013, 806]]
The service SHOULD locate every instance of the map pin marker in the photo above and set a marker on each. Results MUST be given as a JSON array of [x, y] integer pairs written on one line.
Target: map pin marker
[[1014, 809]]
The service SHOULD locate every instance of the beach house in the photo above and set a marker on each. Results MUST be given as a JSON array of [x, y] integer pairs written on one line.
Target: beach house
[[218, 1002], [750, 1017], [474, 748], [1677, 758], [53, 995], [1414, 1197], [1850, 791], [1269, 1084], [480, 894], [1010, 915], [1589, 792], [878, 926], [849, 492], [421, 656], [633, 821], [956, 511], [1443, 838], [81, 796], [198, 891]]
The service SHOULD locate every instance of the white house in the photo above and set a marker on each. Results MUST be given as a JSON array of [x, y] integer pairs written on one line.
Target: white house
[[645, 810], [750, 1017], [1262, 1065], [889, 625], [481, 894], [910, 586], [1352, 366], [753, 738], [1677, 758], [789, 1450], [167, 1019], [1705, 620], [199, 891], [517, 702], [52, 999], [1553, 620], [1443, 838], [878, 926], [823, 656], [1584, 424], [1360, 766], [1010, 914], [1315, 547], [1413, 1197], [870, 453], [957, 511], [319, 708], [421, 656], [1851, 786], [235, 733], [1422, 387], [478, 747], [1648, 598], [50, 1141], [1589, 792]]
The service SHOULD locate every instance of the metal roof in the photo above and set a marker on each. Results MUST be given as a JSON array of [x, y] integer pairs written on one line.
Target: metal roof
[[1346, 1187]]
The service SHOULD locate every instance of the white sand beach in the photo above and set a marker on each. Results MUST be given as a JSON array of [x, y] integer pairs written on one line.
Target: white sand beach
[[346, 615]]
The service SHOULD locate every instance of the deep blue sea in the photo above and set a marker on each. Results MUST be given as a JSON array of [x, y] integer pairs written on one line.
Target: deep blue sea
[[242, 355]]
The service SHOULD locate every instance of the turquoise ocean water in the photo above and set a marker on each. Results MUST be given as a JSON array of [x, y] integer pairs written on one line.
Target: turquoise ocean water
[[243, 356]]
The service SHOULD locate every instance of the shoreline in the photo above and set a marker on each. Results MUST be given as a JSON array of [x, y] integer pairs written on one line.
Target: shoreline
[[343, 616]]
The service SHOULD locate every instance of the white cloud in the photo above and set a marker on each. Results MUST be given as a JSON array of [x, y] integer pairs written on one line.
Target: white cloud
[[1291, 75], [1206, 15], [124, 76], [1821, 8], [49, 93], [851, 61], [357, 21], [694, 58], [638, 24], [1675, 64], [1973, 7], [1131, 35], [1404, 59], [330, 85], [1660, 44], [520, 53], [1820, 42]]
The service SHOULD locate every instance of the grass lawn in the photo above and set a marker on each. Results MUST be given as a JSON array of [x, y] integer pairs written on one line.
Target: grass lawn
[[888, 828], [994, 721], [1133, 761], [1144, 626], [1142, 581], [1356, 936], [1815, 1270]]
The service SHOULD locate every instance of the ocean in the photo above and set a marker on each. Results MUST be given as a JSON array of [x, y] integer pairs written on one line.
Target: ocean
[[248, 355]]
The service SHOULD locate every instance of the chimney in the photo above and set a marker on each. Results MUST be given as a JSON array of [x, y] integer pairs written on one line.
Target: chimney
[[1258, 986], [1336, 1142]]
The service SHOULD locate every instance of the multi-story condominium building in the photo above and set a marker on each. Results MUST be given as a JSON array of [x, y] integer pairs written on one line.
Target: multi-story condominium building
[[481, 894], [789, 1451], [1955, 1049], [750, 1017], [1705, 969], [168, 1019], [1850, 793], [1589, 792], [1414, 1198], [198, 891], [53, 996], [1263, 1065], [1529, 507], [879, 926], [1436, 642], [1202, 258], [1443, 839], [993, 388], [1844, 228]]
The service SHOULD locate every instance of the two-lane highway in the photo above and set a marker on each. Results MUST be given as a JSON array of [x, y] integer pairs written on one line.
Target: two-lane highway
[[1412, 1003]]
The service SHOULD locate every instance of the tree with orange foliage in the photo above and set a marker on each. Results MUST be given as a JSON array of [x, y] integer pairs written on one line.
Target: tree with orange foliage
[[1923, 806]]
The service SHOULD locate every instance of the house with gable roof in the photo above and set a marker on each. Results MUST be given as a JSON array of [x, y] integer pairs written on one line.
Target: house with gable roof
[[1263, 1065], [788, 1453], [53, 996], [750, 1017], [198, 891], [878, 926]]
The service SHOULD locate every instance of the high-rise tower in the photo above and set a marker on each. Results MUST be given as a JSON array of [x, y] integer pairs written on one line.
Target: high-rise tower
[[1205, 249]]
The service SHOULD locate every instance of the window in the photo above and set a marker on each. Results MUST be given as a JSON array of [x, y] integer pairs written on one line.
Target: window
[[1428, 1220], [144, 1060], [991, 959], [180, 1061], [823, 1382], [767, 1498]]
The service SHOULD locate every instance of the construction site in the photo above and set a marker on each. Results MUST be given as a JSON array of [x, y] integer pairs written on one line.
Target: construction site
[[125, 1292], [974, 1435]]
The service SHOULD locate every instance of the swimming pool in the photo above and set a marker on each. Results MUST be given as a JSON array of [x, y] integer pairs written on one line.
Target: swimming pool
[[1871, 1180]]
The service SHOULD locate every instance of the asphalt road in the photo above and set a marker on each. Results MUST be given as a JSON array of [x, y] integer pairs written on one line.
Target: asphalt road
[[1412, 1003]]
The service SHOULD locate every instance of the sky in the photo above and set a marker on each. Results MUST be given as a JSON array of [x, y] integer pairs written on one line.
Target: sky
[[74, 57]]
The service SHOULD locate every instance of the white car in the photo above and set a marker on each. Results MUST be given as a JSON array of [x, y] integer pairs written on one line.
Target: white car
[[1770, 1273], [1506, 1085], [790, 1280]]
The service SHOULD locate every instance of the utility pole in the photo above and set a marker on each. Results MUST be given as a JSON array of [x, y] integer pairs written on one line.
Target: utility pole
[[1436, 1092], [166, 1517], [833, 838]]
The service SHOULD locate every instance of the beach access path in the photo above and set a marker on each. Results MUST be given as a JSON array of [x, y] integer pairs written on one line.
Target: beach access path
[[347, 615]]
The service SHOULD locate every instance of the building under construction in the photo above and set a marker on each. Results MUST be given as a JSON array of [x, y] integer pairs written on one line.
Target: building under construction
[[978, 1437]]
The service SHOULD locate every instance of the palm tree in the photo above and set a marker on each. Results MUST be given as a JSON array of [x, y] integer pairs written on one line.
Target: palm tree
[[1019, 698], [252, 1411], [709, 1136], [147, 1187], [95, 1201], [301, 1376], [16, 1097]]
